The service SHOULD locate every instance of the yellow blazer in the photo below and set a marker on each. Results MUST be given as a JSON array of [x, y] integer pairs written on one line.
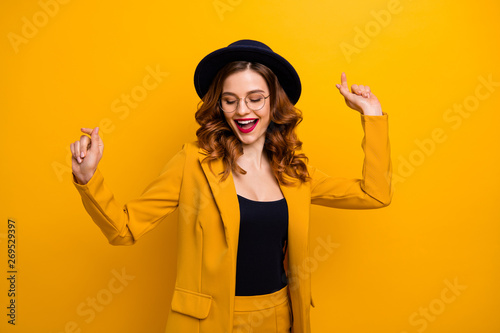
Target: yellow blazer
[[203, 298]]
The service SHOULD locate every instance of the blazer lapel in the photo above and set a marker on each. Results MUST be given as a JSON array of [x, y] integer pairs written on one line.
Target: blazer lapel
[[226, 199]]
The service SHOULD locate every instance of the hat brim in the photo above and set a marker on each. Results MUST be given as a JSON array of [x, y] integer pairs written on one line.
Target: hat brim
[[209, 66]]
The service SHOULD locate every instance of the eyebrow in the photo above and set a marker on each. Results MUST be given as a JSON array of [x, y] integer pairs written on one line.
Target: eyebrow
[[249, 92]]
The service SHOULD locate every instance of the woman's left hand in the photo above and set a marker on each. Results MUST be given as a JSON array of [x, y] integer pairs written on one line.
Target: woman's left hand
[[360, 99]]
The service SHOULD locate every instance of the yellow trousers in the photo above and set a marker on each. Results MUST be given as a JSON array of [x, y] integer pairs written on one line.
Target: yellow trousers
[[270, 313]]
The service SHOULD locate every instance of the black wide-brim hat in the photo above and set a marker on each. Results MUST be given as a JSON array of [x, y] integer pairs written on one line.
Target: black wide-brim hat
[[252, 51]]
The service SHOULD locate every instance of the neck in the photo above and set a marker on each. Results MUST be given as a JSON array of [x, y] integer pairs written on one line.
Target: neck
[[254, 154]]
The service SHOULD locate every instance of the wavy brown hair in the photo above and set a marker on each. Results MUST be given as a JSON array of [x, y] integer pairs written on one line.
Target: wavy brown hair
[[281, 145]]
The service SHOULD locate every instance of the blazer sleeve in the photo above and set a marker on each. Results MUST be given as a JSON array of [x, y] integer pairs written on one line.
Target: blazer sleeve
[[374, 190], [125, 224]]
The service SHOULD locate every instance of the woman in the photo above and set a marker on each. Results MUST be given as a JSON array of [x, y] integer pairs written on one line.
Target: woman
[[243, 191]]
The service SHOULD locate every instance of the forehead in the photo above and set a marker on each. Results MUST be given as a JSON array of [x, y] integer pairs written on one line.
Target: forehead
[[241, 83]]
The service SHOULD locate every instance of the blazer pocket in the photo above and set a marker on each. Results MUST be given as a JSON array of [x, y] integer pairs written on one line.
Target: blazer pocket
[[191, 303]]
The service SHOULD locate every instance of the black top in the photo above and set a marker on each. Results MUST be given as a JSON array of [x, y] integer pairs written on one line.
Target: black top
[[261, 247]]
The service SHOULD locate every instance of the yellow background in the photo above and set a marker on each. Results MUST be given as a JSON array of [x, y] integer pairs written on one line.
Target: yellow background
[[388, 267]]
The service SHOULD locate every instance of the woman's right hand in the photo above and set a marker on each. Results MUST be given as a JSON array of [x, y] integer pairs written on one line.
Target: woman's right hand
[[86, 154]]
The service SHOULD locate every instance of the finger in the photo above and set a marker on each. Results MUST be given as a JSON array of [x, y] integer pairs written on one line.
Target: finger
[[367, 92], [84, 145], [343, 80], [344, 91], [355, 89], [86, 130], [362, 90], [83, 151], [76, 148]]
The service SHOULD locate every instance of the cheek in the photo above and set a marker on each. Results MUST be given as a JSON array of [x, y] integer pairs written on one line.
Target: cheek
[[266, 117]]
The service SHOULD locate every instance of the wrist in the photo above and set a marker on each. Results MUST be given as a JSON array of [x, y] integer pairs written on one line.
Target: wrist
[[373, 112], [81, 179]]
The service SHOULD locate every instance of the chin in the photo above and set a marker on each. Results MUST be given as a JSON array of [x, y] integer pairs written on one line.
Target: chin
[[248, 141], [251, 139]]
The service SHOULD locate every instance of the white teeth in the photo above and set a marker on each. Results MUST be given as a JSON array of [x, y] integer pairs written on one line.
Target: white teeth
[[244, 122]]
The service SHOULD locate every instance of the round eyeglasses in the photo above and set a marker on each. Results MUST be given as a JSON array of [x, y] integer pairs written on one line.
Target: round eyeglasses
[[254, 101]]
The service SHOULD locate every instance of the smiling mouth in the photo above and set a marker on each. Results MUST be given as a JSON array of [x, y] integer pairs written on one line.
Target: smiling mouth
[[246, 125]]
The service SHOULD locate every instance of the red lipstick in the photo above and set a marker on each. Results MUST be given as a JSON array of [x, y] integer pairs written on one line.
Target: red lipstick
[[246, 125]]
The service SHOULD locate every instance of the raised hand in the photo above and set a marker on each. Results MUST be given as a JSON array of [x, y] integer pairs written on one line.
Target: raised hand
[[86, 154], [360, 99]]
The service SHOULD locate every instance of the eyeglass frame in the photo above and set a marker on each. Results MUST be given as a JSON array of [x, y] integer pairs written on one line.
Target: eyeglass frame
[[246, 103]]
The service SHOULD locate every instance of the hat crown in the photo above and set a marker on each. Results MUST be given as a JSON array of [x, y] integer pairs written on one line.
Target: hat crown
[[250, 43]]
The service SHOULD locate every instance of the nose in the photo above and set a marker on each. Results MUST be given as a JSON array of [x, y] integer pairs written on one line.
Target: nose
[[242, 107]]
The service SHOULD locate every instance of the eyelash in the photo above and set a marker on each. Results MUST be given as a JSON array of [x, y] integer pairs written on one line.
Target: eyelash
[[232, 102]]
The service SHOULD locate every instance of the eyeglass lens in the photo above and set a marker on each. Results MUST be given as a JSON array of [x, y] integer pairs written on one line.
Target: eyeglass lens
[[254, 101]]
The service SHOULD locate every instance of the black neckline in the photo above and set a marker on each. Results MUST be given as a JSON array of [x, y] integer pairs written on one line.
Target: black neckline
[[273, 201]]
